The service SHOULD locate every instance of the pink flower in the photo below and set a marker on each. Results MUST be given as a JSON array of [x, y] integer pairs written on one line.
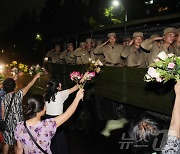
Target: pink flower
[[74, 75], [171, 65], [91, 74], [159, 79]]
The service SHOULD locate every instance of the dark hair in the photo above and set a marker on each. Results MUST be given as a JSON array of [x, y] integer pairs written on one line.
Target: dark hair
[[34, 104], [51, 90], [143, 132], [9, 85]]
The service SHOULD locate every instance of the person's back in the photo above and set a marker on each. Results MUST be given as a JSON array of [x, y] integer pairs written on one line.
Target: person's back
[[43, 132]]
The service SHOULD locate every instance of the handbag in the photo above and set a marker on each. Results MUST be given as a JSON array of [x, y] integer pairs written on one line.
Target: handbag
[[3, 125], [34, 139]]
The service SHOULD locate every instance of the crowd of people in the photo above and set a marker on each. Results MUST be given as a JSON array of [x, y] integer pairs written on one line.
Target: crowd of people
[[41, 116], [31, 128], [135, 52]]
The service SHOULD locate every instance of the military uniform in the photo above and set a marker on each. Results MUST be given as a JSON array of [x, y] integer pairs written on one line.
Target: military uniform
[[176, 46], [156, 48], [69, 57], [135, 57], [82, 56], [56, 57], [112, 53]]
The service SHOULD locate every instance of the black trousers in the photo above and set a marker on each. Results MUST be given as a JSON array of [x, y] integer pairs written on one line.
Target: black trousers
[[58, 142]]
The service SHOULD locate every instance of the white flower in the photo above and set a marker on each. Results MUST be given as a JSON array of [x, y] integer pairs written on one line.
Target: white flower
[[90, 59], [147, 77], [170, 55], [153, 73], [162, 55]]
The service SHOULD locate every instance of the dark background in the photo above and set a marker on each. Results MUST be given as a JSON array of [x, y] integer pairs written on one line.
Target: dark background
[[23, 20]]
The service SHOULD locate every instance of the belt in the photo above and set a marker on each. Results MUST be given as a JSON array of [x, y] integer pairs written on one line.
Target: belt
[[112, 63]]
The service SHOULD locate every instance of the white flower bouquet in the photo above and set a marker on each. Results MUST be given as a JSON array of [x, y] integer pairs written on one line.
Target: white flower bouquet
[[164, 68]]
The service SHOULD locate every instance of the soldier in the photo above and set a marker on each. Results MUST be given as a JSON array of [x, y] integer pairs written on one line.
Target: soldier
[[69, 54], [126, 41], [111, 51], [177, 43], [154, 48], [55, 55], [82, 54], [134, 54]]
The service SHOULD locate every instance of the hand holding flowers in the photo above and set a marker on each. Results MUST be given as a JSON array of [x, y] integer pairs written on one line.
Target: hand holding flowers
[[94, 67]]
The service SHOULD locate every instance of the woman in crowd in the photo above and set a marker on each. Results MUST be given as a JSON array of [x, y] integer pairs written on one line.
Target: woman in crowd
[[147, 129], [42, 131], [55, 98], [15, 113]]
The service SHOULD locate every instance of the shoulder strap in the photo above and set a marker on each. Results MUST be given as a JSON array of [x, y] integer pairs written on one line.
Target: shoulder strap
[[9, 107], [34, 139]]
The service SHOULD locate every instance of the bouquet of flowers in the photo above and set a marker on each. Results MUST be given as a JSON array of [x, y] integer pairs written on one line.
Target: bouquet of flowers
[[94, 67], [81, 79], [164, 68], [34, 69], [17, 69]]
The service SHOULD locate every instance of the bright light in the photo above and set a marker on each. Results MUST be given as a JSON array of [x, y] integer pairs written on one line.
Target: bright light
[[38, 37], [46, 59], [115, 3], [1, 68]]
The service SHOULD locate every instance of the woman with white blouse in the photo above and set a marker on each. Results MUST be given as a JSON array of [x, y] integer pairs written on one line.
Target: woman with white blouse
[[55, 98]]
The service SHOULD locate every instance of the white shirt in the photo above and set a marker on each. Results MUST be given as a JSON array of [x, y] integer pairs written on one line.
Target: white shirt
[[56, 107]]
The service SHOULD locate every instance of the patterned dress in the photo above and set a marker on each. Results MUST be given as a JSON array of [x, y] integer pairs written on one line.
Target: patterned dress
[[172, 145], [2, 93], [15, 115], [42, 133]]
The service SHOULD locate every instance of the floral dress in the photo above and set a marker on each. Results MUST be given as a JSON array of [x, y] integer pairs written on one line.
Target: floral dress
[[172, 145], [15, 115], [42, 133]]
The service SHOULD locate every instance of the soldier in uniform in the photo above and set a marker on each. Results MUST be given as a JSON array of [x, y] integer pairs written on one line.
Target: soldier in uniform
[[69, 54], [55, 55], [165, 44], [126, 41], [90, 49], [177, 43], [134, 54], [82, 54], [111, 51]]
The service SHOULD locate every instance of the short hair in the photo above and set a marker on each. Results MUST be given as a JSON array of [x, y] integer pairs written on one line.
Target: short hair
[[9, 85]]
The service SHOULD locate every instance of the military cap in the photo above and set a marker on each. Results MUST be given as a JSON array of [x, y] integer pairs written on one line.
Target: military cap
[[111, 35], [154, 35], [137, 34], [82, 43], [70, 44], [88, 40], [178, 31], [169, 30]]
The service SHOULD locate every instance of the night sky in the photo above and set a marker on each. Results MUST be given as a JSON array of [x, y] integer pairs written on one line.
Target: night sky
[[11, 9]]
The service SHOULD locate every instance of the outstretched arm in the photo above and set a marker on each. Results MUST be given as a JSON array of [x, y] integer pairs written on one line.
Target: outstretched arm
[[174, 128], [71, 109], [73, 89], [26, 89]]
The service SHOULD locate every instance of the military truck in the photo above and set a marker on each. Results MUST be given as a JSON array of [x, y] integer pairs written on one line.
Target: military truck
[[120, 92]]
